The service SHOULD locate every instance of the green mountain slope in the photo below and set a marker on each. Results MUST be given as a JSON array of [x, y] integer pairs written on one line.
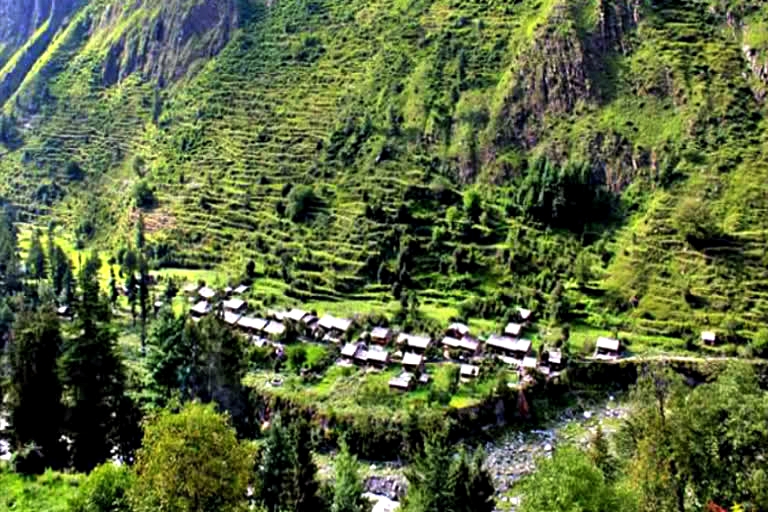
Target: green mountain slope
[[597, 159]]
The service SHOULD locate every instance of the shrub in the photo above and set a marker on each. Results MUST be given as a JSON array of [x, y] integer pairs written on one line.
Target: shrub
[[143, 195], [300, 202], [105, 490]]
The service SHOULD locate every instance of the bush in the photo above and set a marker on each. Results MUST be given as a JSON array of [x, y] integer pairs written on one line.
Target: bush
[[143, 195], [300, 202], [105, 490]]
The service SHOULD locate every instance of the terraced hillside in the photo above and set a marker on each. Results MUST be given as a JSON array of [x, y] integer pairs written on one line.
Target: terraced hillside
[[600, 160]]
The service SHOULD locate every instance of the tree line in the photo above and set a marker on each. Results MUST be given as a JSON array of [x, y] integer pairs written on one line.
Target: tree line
[[680, 450], [146, 437]]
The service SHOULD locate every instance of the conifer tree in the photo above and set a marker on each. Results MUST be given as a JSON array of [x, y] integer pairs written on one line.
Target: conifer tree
[[599, 453], [36, 257], [10, 279], [481, 488], [427, 478], [99, 416], [303, 486], [275, 466], [348, 490], [34, 391], [287, 470]]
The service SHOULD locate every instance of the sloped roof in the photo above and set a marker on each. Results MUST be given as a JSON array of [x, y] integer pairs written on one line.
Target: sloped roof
[[234, 304], [513, 329], [411, 359], [275, 328], [608, 344], [256, 324]]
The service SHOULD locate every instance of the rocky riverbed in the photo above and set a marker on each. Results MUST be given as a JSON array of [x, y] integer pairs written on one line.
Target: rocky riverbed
[[514, 455]]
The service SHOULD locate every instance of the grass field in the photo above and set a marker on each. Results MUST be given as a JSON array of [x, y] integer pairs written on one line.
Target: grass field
[[49, 492]]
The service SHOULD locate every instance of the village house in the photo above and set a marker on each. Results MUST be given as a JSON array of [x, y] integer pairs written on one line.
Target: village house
[[252, 325], [241, 290], [607, 348], [509, 347], [274, 314], [465, 344], [190, 289], [709, 337], [524, 315], [457, 330], [350, 351], [469, 372], [334, 328], [555, 361], [412, 361], [228, 291], [513, 329], [64, 312], [296, 315], [402, 382], [207, 294], [274, 329], [231, 318], [378, 357], [381, 335], [235, 306], [418, 344], [529, 364], [200, 309]]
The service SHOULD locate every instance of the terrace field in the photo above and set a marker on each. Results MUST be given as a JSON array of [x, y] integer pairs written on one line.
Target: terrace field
[[602, 163]]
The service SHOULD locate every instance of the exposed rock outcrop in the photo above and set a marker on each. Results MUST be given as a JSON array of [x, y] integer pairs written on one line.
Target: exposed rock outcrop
[[560, 69], [165, 46], [758, 64], [31, 43]]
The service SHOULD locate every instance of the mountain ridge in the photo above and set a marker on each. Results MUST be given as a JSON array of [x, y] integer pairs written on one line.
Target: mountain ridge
[[469, 150]]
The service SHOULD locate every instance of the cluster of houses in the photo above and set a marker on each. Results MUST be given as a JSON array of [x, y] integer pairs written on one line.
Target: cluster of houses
[[382, 348]]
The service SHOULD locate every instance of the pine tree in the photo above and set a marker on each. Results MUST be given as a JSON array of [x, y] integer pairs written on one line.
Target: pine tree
[[100, 415], [275, 467], [113, 293], [303, 487], [459, 481], [481, 487], [599, 453], [10, 278], [34, 390], [427, 478], [348, 490], [143, 296], [287, 470], [36, 257]]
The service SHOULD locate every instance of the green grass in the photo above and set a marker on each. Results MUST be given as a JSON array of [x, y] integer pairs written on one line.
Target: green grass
[[50, 492]]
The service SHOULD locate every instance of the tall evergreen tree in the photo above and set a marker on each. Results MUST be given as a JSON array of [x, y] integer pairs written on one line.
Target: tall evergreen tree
[[303, 487], [275, 467], [36, 257], [348, 490], [99, 412], [143, 296], [481, 488], [10, 278], [34, 391], [427, 478], [287, 470]]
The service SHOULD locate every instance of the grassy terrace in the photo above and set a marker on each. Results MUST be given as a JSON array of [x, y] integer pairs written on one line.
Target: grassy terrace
[[346, 390]]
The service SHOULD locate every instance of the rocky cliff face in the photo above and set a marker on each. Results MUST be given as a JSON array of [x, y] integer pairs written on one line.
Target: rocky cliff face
[[19, 23], [20, 18], [166, 45], [561, 68]]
